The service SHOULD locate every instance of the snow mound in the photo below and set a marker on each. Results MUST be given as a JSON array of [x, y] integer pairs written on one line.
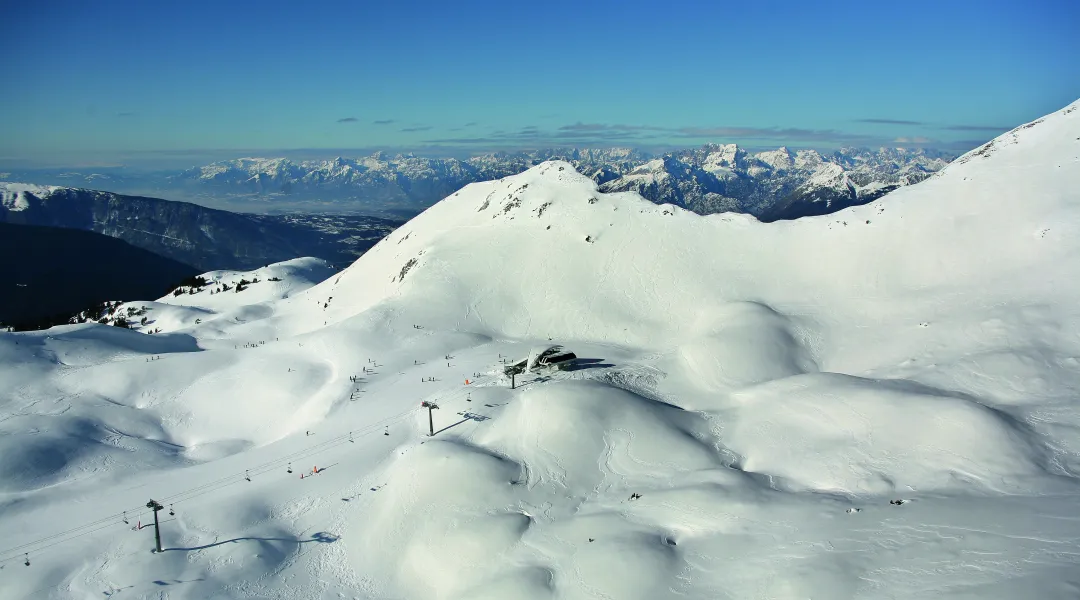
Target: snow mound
[[457, 517], [635, 566], [838, 433], [577, 433], [440, 524], [741, 344], [41, 453]]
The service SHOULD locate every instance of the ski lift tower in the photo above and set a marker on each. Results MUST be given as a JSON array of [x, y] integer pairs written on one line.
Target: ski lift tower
[[513, 370], [431, 406], [156, 506]]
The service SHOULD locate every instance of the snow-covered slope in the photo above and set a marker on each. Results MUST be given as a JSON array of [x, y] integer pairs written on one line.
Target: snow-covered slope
[[584, 264], [215, 298], [17, 197], [750, 405]]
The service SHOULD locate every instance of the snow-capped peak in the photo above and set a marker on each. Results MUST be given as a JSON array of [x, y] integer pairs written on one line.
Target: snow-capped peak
[[780, 159], [13, 196]]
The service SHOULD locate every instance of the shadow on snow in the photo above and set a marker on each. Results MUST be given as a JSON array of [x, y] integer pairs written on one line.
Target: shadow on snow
[[321, 537]]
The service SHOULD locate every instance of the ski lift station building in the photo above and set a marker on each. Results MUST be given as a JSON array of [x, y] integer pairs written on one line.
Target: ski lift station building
[[550, 356]]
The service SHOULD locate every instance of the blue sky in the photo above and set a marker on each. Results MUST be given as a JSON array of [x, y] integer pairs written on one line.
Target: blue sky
[[116, 82]]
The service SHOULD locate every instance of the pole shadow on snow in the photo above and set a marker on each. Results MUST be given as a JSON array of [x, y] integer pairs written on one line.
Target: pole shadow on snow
[[468, 417], [322, 537], [175, 581], [450, 426]]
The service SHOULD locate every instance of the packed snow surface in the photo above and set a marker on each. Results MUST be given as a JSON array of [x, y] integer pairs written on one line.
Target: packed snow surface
[[877, 403]]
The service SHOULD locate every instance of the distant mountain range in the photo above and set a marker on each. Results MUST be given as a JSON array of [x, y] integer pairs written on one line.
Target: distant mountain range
[[205, 238], [771, 185]]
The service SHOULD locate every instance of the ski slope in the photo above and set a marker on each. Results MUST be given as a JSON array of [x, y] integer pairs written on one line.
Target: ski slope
[[192, 306], [750, 403]]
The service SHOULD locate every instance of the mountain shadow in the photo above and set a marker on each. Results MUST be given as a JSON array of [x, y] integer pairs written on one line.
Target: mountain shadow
[[51, 273]]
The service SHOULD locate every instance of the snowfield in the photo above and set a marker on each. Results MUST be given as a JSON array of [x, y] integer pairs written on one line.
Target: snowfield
[[13, 195], [218, 300], [877, 403]]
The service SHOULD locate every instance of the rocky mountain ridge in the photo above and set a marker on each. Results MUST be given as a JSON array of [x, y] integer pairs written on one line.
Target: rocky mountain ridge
[[771, 185], [203, 237]]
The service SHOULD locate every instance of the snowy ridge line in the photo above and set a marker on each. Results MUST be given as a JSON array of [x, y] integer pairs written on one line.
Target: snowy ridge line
[[141, 511]]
